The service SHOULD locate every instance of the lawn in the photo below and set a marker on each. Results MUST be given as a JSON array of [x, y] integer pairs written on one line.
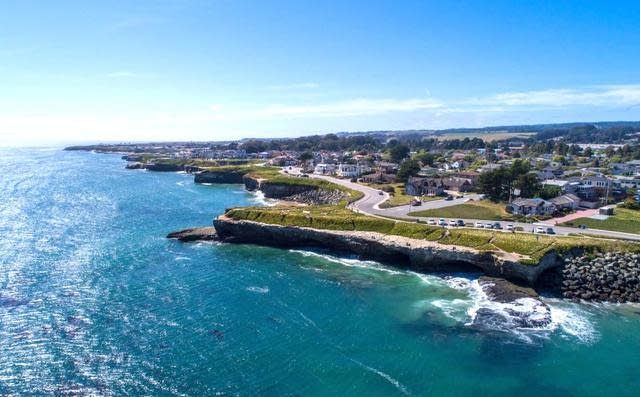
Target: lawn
[[469, 210], [624, 220], [399, 197], [336, 217]]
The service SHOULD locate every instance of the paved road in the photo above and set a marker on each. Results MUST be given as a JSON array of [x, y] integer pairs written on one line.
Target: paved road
[[369, 204]]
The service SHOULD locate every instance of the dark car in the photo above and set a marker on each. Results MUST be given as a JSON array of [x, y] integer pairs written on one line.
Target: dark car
[[449, 198]]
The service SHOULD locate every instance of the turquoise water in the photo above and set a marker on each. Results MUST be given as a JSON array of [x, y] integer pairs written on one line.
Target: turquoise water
[[95, 301]]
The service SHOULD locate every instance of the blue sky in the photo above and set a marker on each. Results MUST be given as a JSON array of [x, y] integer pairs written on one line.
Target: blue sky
[[213, 70]]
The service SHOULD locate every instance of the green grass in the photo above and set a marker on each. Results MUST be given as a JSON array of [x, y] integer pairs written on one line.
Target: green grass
[[469, 210], [399, 196], [272, 175], [335, 217], [624, 220]]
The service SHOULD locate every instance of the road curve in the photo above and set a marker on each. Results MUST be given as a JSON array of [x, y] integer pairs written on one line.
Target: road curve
[[369, 204]]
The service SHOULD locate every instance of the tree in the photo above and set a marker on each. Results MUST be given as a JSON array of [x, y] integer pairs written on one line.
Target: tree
[[528, 184], [425, 158], [408, 168], [492, 184], [549, 191], [398, 152], [306, 156]]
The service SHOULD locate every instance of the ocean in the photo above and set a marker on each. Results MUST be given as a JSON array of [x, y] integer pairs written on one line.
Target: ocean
[[94, 300]]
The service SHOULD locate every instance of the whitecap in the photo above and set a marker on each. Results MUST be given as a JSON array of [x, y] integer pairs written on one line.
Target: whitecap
[[369, 265], [260, 199], [259, 290]]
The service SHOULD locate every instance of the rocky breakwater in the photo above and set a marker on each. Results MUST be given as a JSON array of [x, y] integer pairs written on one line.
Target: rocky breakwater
[[612, 277], [403, 252]]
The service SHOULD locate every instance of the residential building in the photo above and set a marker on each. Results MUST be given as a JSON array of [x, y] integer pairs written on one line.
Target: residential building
[[324, 169], [566, 201], [531, 206]]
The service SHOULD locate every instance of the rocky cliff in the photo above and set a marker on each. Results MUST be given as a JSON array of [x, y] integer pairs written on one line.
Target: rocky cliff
[[419, 255], [230, 176], [309, 194]]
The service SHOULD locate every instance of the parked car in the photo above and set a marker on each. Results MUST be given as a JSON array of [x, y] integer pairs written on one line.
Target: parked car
[[488, 226], [381, 193], [442, 222], [509, 227], [479, 224], [497, 225], [449, 198], [540, 229], [460, 222], [431, 221], [304, 176], [453, 223], [582, 226], [550, 230]]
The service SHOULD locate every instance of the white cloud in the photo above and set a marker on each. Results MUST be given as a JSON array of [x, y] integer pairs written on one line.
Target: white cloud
[[613, 95]]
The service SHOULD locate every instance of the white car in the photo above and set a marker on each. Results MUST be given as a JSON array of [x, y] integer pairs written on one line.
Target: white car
[[453, 223], [540, 230], [479, 224], [431, 221], [488, 226], [509, 227], [442, 222]]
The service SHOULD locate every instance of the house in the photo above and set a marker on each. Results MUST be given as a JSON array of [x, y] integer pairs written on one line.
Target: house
[[489, 167], [283, 161], [566, 201], [424, 186], [387, 168], [324, 169], [348, 170], [377, 177], [458, 184], [417, 186], [531, 206]]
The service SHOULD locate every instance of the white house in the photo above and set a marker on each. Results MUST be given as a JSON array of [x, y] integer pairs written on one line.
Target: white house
[[325, 169], [347, 170]]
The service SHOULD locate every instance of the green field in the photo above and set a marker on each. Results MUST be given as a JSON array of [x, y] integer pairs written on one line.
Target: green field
[[624, 220], [469, 210]]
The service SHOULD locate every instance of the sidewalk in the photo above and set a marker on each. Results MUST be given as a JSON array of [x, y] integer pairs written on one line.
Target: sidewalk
[[571, 217]]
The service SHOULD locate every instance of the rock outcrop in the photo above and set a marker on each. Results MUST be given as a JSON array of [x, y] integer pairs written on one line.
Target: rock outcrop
[[301, 193], [613, 277], [509, 306], [195, 234], [307, 194], [135, 166], [403, 252], [228, 176]]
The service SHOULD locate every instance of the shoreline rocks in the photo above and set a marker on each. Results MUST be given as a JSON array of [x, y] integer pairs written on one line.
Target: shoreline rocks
[[510, 306], [611, 277], [195, 234]]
